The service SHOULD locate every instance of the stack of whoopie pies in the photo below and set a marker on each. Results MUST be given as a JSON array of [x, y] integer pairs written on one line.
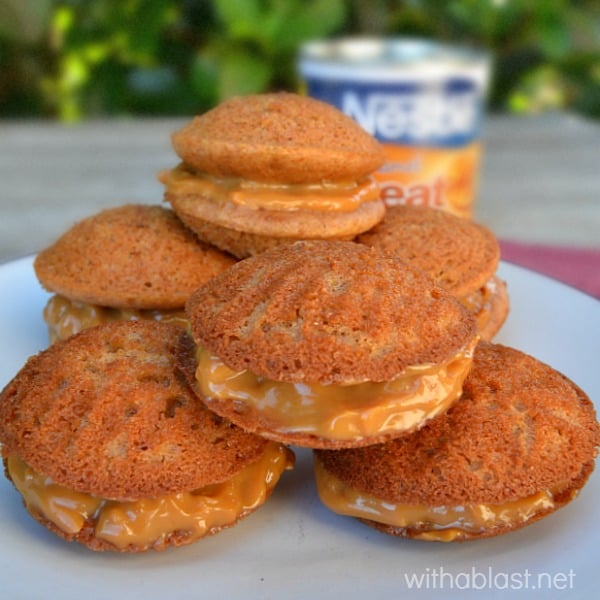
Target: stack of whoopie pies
[[417, 429], [280, 303]]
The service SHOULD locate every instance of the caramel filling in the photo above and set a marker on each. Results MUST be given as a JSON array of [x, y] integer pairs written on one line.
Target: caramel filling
[[148, 522], [324, 196], [66, 317], [339, 412], [479, 303], [434, 523]]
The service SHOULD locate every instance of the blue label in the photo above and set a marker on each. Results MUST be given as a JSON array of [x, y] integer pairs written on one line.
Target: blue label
[[445, 115]]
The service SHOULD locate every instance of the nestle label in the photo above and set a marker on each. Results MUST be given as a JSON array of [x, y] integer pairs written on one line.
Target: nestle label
[[447, 115]]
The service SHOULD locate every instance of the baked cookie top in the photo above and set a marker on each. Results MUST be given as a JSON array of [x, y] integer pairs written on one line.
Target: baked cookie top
[[132, 256], [327, 312], [280, 137], [106, 412], [459, 254], [520, 427]]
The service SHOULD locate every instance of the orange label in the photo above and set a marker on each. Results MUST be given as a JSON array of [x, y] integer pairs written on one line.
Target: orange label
[[444, 178]]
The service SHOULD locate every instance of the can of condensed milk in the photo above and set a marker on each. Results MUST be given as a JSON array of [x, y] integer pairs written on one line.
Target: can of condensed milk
[[423, 101]]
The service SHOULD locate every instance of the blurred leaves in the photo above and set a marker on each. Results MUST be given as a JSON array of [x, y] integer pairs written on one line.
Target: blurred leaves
[[75, 59], [24, 21], [546, 53], [257, 48]]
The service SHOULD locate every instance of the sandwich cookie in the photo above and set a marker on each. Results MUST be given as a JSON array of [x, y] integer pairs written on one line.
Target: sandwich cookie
[[129, 262], [110, 448], [327, 345], [261, 170], [518, 445], [462, 256]]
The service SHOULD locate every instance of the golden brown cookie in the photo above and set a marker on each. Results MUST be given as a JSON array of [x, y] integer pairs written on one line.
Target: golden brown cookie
[[110, 448], [462, 256], [129, 262], [327, 344], [278, 138], [518, 445], [266, 169]]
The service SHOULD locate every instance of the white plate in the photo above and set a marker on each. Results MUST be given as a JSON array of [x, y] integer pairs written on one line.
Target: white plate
[[293, 547]]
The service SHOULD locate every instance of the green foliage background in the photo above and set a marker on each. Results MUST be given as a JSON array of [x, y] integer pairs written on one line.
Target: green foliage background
[[77, 59]]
